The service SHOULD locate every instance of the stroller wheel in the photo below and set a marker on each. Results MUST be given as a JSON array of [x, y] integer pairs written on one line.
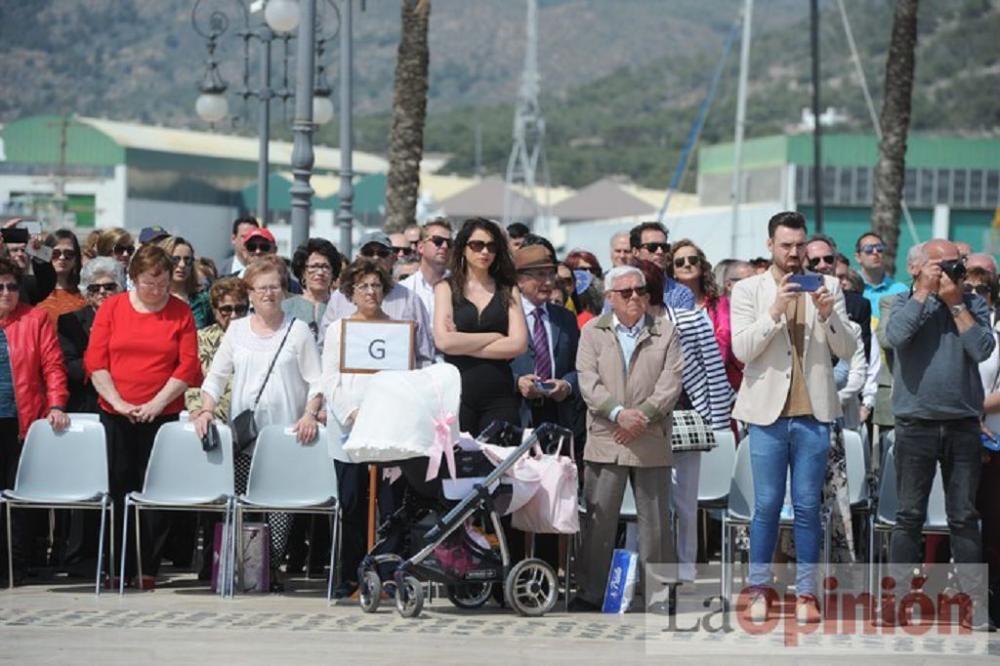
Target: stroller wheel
[[370, 592], [532, 588], [470, 595], [410, 597]]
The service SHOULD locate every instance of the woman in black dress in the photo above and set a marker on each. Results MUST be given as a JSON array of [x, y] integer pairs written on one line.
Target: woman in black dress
[[479, 324]]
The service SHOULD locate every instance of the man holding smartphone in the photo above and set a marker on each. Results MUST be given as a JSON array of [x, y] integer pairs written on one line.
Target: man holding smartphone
[[786, 339]]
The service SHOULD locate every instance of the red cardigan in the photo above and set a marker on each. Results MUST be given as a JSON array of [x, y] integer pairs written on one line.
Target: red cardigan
[[36, 364], [143, 350]]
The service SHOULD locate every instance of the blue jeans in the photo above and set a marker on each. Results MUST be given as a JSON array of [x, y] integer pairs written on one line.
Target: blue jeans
[[803, 444]]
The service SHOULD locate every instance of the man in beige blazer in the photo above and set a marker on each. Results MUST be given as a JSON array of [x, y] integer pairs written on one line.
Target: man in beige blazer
[[786, 339], [629, 371]]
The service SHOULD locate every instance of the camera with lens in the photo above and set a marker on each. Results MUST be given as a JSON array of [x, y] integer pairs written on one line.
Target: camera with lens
[[954, 269]]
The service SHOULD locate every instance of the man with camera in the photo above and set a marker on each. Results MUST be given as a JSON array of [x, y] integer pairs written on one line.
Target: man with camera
[[940, 335]]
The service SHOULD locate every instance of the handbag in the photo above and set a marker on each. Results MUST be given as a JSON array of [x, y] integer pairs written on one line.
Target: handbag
[[244, 424], [690, 432]]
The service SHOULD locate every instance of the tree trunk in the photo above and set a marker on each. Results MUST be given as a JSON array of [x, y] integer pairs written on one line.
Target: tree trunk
[[890, 171], [409, 110]]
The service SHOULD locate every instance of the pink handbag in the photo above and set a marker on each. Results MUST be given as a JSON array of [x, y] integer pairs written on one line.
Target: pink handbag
[[553, 509]]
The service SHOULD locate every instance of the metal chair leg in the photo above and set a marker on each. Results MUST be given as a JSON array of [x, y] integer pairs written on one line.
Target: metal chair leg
[[138, 545], [239, 548], [121, 563], [111, 543], [100, 545], [10, 552], [333, 554]]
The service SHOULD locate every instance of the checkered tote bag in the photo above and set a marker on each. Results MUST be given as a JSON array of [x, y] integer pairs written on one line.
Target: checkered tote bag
[[690, 432]]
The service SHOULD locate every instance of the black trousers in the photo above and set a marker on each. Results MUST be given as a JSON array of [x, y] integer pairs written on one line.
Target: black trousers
[[10, 453], [129, 446]]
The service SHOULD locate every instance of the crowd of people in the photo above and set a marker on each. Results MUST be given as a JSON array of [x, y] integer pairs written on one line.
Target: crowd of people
[[643, 361]]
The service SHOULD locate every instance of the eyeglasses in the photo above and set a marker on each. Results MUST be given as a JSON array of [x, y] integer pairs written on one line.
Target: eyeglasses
[[440, 240], [96, 287], [628, 291], [64, 254], [187, 261], [267, 288], [872, 248], [826, 258], [381, 251], [983, 290], [653, 247], [319, 268], [9, 287], [478, 246], [234, 310], [693, 261], [373, 287], [262, 247], [402, 251], [123, 249]]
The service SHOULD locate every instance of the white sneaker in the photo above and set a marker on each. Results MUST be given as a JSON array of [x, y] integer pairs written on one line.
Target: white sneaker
[[807, 609], [759, 608]]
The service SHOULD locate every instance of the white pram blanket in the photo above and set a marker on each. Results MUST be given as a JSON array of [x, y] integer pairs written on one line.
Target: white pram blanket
[[407, 414]]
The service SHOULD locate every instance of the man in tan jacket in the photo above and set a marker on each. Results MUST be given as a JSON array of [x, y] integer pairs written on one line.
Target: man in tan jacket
[[786, 338], [629, 370]]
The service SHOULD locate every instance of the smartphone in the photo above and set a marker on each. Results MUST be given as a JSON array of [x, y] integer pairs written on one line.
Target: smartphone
[[15, 235], [33, 227], [807, 281], [545, 386]]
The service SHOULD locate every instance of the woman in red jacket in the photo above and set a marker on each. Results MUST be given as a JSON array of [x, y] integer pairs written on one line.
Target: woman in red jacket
[[142, 356], [32, 383]]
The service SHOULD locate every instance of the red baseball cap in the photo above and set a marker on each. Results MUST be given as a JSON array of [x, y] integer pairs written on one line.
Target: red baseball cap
[[260, 232]]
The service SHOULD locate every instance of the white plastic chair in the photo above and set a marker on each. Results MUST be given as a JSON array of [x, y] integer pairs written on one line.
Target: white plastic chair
[[291, 477], [63, 470], [181, 476]]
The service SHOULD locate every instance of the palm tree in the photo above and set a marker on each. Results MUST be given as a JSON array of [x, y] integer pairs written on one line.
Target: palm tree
[[890, 171], [409, 111]]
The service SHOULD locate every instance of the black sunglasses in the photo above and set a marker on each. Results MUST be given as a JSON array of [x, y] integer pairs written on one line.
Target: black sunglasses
[[109, 287], [691, 261], [63, 254], [187, 261], [404, 251], [238, 310], [440, 240], [983, 290], [9, 287], [628, 291], [872, 248], [479, 246], [653, 247], [381, 251], [123, 249], [259, 246], [826, 258]]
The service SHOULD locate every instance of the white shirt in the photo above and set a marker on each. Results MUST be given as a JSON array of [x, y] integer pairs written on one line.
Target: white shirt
[[344, 391], [245, 356], [400, 304], [529, 315], [424, 290]]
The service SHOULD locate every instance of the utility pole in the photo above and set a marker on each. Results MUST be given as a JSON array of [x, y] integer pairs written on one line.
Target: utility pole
[[735, 192]]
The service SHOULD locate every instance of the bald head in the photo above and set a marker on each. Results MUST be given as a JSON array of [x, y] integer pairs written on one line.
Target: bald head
[[984, 261], [963, 248], [933, 251]]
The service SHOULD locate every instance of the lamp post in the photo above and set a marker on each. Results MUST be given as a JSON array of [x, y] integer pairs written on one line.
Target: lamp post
[[312, 105]]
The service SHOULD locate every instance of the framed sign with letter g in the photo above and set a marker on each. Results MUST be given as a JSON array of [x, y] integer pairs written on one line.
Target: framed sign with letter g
[[371, 346]]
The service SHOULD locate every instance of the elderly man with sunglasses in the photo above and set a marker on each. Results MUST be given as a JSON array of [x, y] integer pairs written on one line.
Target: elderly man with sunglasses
[[401, 303], [629, 367], [434, 249]]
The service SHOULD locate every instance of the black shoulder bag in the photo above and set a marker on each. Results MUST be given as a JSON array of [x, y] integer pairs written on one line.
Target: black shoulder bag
[[244, 425]]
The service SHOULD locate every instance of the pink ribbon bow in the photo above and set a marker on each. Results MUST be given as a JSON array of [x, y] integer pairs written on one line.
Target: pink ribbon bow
[[443, 446]]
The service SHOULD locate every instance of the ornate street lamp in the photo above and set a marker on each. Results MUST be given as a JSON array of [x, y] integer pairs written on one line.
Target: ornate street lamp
[[281, 17]]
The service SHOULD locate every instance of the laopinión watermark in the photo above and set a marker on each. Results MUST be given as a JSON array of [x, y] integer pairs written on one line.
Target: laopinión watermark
[[910, 609]]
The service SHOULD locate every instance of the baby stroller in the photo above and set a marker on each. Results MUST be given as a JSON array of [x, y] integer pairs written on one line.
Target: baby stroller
[[446, 545]]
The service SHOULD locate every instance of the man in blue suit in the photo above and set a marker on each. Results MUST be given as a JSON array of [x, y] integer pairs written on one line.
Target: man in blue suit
[[546, 372]]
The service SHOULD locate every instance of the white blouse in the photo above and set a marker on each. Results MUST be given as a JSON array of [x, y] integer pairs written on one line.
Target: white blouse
[[344, 391], [245, 356]]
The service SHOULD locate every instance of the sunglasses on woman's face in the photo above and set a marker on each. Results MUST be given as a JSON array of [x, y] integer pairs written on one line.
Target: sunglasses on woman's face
[[691, 261], [478, 246], [107, 287], [68, 255], [981, 289], [9, 287], [123, 249], [234, 310], [187, 261]]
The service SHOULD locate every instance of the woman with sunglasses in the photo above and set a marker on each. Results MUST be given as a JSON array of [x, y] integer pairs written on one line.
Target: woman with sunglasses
[[316, 263], [116, 243], [479, 324], [690, 267], [100, 278], [184, 281], [66, 296]]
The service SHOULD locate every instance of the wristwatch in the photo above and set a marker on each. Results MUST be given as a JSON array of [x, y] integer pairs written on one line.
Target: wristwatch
[[957, 309]]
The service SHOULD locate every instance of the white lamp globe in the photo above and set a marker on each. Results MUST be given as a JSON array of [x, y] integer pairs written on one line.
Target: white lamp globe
[[282, 15], [211, 107], [322, 110]]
